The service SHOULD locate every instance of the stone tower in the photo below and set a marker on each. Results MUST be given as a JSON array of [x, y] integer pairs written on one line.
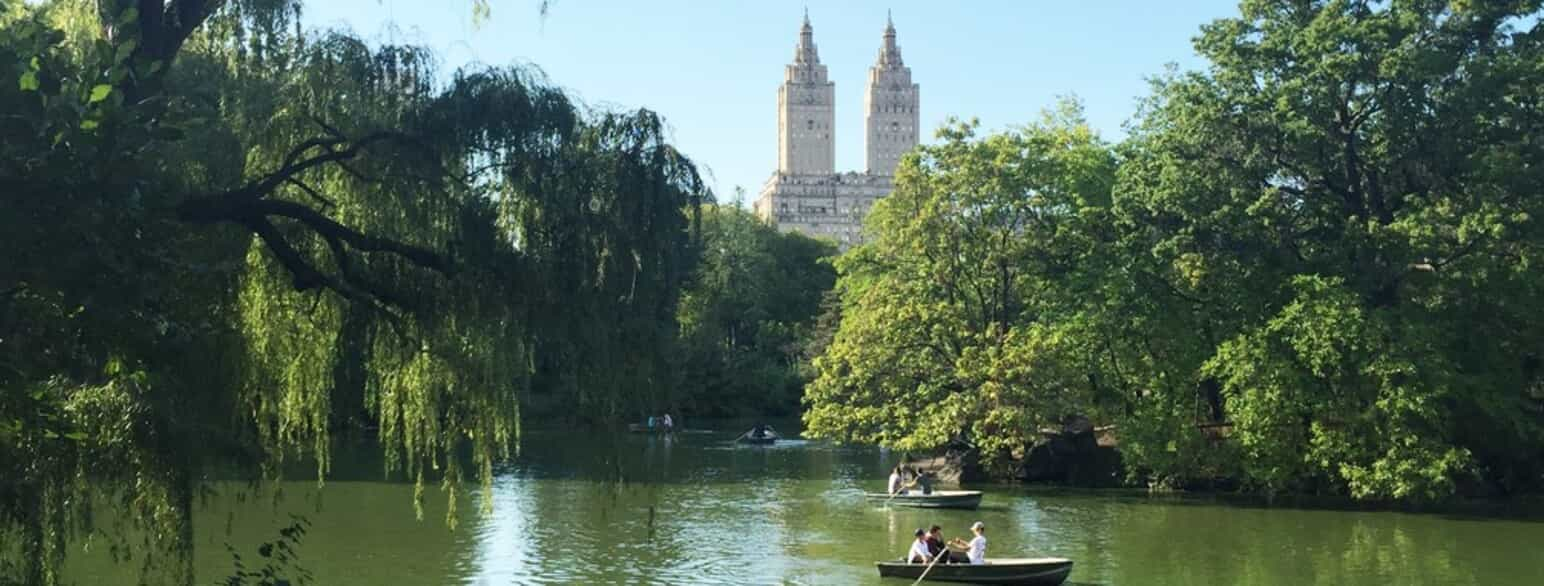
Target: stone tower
[[891, 108], [806, 105], [806, 194]]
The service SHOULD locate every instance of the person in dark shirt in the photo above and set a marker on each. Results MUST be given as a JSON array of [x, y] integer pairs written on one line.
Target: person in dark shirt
[[925, 480], [935, 544]]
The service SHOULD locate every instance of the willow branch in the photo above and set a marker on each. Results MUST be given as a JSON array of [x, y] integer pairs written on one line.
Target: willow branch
[[250, 206]]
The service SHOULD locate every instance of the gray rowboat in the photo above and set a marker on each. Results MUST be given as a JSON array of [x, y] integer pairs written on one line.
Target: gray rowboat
[[1022, 571], [939, 499]]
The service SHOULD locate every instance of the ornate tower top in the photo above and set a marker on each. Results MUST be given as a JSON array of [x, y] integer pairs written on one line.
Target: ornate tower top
[[806, 105], [892, 107], [889, 53], [805, 53]]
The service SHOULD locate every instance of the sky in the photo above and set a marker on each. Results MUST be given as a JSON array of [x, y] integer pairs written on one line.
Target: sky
[[712, 67]]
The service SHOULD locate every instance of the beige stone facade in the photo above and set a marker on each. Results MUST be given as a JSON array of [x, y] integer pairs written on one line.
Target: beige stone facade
[[806, 194]]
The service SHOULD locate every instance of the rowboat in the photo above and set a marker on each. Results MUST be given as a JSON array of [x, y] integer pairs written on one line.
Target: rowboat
[[1022, 571], [938, 499], [765, 440]]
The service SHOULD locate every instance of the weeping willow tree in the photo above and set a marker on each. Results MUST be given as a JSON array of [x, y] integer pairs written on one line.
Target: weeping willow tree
[[233, 238]]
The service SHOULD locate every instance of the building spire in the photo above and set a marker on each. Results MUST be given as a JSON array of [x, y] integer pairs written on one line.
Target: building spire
[[890, 53], [805, 53]]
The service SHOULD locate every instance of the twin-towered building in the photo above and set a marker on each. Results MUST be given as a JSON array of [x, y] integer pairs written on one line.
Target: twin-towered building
[[806, 194]]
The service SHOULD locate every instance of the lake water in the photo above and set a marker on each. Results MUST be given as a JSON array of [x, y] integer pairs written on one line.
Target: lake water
[[698, 509]]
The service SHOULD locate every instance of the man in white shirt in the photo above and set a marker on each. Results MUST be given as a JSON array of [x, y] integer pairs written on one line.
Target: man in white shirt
[[919, 553], [895, 482], [977, 551]]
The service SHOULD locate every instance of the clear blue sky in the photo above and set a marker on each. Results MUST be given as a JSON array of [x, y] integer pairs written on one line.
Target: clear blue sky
[[712, 68]]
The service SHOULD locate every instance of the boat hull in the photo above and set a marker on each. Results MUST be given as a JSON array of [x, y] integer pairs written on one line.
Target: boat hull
[[1023, 572], [758, 441], [938, 499]]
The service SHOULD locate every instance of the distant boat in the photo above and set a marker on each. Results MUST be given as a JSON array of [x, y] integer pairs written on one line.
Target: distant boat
[[644, 428], [938, 499], [768, 437], [1023, 571]]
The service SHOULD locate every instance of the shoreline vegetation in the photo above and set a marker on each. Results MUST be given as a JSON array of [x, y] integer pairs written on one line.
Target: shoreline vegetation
[[1309, 268]]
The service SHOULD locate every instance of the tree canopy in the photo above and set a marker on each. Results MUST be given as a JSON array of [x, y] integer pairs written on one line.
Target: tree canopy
[[746, 314], [1309, 267]]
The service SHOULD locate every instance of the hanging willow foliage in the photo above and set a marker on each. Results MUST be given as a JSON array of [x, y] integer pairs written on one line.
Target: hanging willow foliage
[[287, 234]]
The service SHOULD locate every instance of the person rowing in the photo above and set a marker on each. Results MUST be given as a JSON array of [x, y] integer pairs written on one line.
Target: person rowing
[[977, 551], [976, 548], [761, 432], [897, 482], [924, 480]]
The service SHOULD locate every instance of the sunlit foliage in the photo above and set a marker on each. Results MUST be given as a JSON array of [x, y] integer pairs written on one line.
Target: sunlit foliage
[[1314, 269], [961, 315]]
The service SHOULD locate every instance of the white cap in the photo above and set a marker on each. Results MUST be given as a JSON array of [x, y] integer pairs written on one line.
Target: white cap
[[977, 525]]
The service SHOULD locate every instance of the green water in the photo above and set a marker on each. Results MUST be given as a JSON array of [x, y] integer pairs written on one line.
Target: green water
[[794, 514]]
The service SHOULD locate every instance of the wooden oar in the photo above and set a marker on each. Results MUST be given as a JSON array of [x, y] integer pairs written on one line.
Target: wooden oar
[[930, 566]]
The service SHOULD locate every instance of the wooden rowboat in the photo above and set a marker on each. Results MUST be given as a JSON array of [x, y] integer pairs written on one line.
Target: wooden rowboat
[[765, 440], [1022, 571], [938, 499]]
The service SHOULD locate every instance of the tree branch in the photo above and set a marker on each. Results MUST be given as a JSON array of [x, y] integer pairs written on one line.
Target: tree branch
[[250, 206]]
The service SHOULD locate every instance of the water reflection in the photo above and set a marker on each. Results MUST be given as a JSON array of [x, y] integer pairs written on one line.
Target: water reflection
[[699, 509]]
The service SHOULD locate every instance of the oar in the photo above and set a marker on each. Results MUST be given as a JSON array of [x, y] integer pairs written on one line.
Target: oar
[[930, 566]]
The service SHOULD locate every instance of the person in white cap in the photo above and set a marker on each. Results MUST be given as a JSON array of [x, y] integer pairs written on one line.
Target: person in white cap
[[977, 551]]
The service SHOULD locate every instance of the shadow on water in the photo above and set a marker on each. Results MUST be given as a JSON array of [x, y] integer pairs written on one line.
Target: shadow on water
[[1524, 509]]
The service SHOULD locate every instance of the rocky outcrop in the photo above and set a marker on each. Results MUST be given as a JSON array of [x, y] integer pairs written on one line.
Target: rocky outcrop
[[955, 465], [1076, 454]]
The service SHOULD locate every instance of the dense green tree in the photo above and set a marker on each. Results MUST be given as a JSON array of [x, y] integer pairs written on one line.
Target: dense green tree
[[749, 306], [1342, 215], [960, 317], [1313, 272]]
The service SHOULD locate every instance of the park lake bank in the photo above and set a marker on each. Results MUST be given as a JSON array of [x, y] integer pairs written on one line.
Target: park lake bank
[[577, 507]]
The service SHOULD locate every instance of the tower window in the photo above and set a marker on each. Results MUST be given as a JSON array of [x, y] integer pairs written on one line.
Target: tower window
[[811, 124]]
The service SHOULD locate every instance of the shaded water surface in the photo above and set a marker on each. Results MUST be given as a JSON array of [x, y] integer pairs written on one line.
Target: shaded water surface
[[697, 509]]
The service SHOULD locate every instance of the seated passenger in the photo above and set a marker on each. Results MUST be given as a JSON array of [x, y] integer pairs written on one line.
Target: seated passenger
[[896, 483], [919, 553], [935, 544]]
